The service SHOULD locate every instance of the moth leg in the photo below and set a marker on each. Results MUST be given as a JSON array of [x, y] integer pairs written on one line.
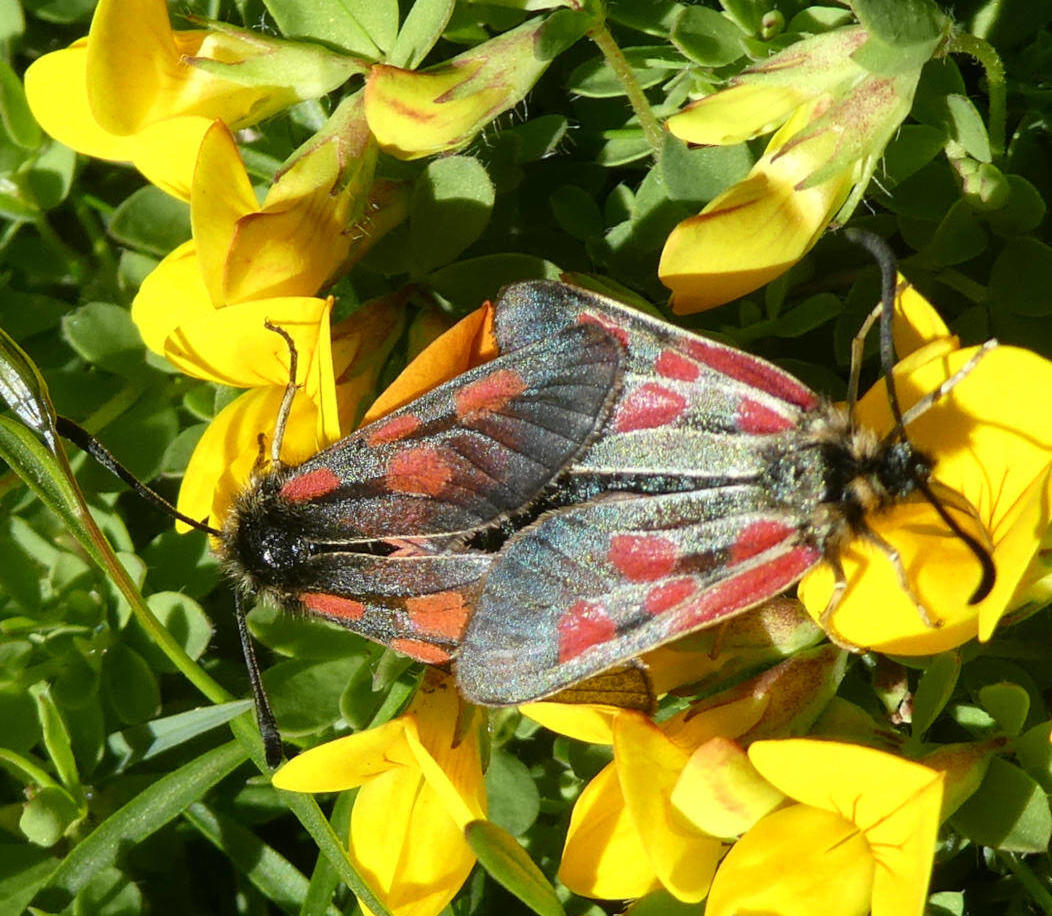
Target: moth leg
[[932, 397], [286, 400], [858, 342], [895, 558]]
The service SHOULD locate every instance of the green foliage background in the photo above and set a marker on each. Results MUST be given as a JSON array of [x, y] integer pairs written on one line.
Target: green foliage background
[[94, 718]]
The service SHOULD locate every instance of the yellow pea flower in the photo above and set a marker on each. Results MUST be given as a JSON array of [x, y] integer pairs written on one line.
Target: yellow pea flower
[[860, 840], [991, 441], [421, 784], [834, 119], [136, 90]]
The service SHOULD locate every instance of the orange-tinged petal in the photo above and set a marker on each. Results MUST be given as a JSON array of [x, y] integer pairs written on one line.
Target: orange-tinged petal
[[468, 343], [692, 727], [755, 230], [450, 762], [220, 196], [736, 114], [593, 724], [796, 862], [648, 766], [173, 292], [347, 762], [720, 792], [604, 855], [406, 846], [895, 802]]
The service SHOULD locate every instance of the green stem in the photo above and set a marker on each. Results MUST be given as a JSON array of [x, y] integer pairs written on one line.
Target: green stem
[[100, 246], [123, 400], [618, 63], [77, 266], [964, 284], [1031, 883], [984, 53]]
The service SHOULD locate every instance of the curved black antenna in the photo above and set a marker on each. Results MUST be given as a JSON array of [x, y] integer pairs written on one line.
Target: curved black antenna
[[885, 259], [986, 583], [81, 438]]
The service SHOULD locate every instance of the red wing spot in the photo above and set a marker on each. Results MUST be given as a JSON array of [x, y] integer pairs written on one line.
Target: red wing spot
[[394, 429], [489, 394], [675, 365], [749, 588], [609, 326], [424, 471], [649, 406], [421, 651], [753, 371], [311, 485], [333, 605], [643, 557], [754, 417], [584, 625], [758, 537], [663, 597], [443, 614]]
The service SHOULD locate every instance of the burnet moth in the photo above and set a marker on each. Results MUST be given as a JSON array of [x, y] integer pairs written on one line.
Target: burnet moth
[[607, 484]]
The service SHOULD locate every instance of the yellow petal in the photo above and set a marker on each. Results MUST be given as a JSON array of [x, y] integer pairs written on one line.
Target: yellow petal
[[916, 321], [796, 862], [173, 292], [233, 346], [593, 724], [220, 196], [346, 762], [604, 855], [736, 114], [468, 343], [406, 846], [166, 152], [755, 230], [895, 802], [720, 792], [224, 457], [648, 766]]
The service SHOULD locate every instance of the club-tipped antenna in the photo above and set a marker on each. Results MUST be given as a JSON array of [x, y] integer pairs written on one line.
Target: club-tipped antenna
[[81, 438]]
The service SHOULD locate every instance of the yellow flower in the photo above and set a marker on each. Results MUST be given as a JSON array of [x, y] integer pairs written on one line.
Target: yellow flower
[[206, 305], [135, 90], [836, 118], [421, 784], [660, 814], [862, 839], [991, 440], [415, 114]]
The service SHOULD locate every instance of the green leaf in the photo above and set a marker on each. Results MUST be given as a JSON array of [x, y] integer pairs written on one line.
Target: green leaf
[[24, 390], [142, 742], [144, 815], [50, 177], [450, 207], [60, 11], [507, 862], [662, 903], [1008, 703], [185, 620], [422, 28], [595, 79], [15, 115], [1023, 211], [47, 815], [270, 872], [130, 685], [12, 20], [577, 212], [151, 221], [707, 37], [332, 24], [967, 127], [1033, 750], [105, 336], [306, 694], [901, 22], [110, 892], [302, 637], [1021, 278], [812, 313], [379, 18], [19, 727], [56, 738], [695, 176], [959, 237], [324, 880], [23, 870], [934, 690], [469, 283], [514, 801], [1009, 811], [914, 146]]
